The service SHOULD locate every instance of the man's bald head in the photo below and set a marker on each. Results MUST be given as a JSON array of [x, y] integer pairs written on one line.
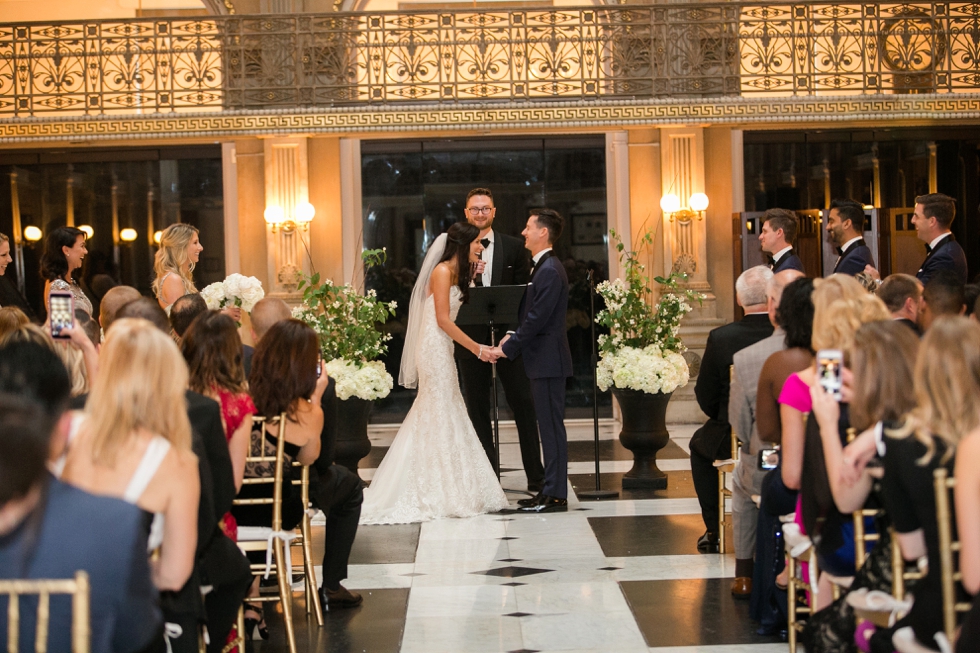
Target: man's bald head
[[774, 290], [113, 300], [266, 312]]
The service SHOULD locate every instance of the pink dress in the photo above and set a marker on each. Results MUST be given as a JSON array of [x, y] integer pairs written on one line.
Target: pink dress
[[234, 409], [796, 394]]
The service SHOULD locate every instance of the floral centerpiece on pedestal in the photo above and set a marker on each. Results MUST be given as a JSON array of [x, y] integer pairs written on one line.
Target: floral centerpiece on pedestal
[[347, 322], [642, 357]]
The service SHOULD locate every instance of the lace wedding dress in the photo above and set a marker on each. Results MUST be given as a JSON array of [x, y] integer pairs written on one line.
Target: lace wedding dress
[[436, 466]]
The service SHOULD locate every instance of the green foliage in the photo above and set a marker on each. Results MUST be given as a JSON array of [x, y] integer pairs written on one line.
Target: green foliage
[[631, 316], [346, 320]]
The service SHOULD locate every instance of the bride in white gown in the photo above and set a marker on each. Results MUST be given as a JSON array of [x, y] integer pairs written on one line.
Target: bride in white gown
[[436, 466]]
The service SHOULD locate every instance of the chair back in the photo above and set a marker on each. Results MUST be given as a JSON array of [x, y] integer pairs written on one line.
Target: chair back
[[862, 537], [266, 469], [950, 574], [77, 587]]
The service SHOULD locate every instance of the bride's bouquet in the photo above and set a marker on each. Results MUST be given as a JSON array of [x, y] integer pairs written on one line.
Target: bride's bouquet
[[644, 351], [237, 290], [347, 323]]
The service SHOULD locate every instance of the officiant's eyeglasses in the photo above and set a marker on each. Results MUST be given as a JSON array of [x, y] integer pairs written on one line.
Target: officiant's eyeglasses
[[477, 210]]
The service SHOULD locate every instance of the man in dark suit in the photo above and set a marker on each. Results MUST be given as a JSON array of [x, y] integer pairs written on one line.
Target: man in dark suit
[[902, 295], [506, 264], [934, 214], [712, 441], [51, 529], [845, 231], [543, 342], [777, 236]]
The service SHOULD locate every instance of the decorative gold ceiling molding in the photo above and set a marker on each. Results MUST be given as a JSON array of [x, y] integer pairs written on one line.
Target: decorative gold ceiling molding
[[752, 112]]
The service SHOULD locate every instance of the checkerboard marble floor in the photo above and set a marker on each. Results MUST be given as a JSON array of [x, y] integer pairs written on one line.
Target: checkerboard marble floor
[[621, 575]]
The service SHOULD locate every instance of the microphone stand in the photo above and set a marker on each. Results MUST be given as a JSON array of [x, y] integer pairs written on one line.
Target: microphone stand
[[598, 493]]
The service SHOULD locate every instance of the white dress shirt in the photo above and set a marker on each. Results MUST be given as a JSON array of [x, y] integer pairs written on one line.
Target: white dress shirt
[[488, 257], [846, 246], [780, 254]]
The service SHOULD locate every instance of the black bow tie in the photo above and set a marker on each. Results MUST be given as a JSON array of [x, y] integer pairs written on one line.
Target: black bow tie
[[485, 242], [840, 251], [928, 248]]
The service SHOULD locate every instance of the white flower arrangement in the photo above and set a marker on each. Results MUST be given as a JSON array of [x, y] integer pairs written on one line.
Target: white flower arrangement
[[369, 380], [236, 290], [643, 351]]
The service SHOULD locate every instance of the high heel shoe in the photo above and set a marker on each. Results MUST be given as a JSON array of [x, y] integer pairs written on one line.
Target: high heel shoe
[[253, 626]]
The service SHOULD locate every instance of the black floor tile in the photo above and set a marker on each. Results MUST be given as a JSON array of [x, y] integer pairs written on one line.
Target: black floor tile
[[376, 625], [584, 451], [679, 485], [701, 612], [649, 535], [513, 571], [383, 544]]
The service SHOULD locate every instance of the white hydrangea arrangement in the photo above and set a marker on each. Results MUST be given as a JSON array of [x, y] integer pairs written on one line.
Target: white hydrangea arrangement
[[643, 351], [237, 290], [347, 324]]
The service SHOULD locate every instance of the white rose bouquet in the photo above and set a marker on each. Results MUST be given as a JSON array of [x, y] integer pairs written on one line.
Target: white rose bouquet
[[237, 290], [368, 381], [643, 351]]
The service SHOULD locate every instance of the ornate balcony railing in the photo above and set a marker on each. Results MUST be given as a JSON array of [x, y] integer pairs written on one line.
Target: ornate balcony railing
[[627, 51]]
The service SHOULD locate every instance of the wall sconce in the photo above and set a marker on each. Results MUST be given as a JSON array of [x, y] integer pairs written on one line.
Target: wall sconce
[[89, 231], [128, 235], [157, 237], [276, 218], [33, 234], [696, 205]]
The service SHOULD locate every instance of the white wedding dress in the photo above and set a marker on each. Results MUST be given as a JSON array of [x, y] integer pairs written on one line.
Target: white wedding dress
[[436, 466]]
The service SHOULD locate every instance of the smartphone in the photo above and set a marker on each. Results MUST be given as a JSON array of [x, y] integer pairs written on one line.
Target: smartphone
[[319, 368], [61, 312], [769, 458], [830, 371]]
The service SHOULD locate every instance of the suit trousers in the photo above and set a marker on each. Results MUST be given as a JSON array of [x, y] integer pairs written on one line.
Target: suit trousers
[[746, 481], [705, 477], [475, 382], [549, 404], [339, 495]]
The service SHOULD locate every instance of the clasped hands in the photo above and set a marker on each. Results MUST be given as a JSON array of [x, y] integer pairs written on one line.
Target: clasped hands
[[493, 354]]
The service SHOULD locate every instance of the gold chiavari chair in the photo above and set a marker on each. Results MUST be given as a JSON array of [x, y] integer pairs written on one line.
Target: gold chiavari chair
[[949, 570], [80, 592], [799, 550], [238, 642], [726, 467], [901, 575], [305, 541]]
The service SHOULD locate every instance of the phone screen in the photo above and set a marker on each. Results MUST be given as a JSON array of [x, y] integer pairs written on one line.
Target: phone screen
[[60, 313], [830, 371], [769, 458]]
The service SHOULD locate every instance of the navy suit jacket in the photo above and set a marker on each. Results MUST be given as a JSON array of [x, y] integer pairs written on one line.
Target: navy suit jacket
[[854, 259], [947, 255], [789, 261], [542, 339], [103, 536]]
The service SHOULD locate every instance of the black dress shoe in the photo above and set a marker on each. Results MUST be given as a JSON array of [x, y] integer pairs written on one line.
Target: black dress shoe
[[530, 501], [708, 543], [546, 504], [339, 599]]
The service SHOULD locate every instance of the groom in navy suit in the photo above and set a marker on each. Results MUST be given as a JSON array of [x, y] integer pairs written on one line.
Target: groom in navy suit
[[543, 342]]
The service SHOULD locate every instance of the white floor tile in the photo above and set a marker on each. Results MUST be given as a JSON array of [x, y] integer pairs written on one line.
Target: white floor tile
[[461, 601], [474, 634]]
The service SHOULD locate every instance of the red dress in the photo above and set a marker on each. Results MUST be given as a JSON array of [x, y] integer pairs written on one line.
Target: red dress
[[234, 409]]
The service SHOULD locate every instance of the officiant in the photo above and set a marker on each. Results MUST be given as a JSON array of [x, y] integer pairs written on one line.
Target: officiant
[[505, 263]]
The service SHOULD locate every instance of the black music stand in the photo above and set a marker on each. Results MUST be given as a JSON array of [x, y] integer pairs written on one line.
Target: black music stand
[[490, 306]]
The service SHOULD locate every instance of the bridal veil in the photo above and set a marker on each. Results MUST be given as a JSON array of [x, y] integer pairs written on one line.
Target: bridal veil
[[408, 375]]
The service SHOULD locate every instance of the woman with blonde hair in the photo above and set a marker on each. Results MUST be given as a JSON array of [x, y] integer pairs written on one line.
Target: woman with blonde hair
[[11, 319], [180, 250], [135, 442]]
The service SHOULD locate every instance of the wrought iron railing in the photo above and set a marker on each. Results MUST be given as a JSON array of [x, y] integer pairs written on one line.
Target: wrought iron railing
[[625, 51]]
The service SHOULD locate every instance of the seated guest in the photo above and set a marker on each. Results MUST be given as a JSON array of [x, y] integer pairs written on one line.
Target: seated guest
[[947, 383], [712, 441], [967, 503], [747, 479], [144, 308], [11, 319], [266, 312], [183, 312], [902, 294], [80, 352], [39, 515], [135, 444], [114, 299], [971, 294], [942, 295]]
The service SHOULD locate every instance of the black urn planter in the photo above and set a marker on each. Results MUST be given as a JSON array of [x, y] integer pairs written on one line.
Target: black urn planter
[[644, 434], [352, 432]]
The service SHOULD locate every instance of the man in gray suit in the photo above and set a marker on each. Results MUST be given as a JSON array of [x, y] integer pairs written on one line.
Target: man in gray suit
[[747, 479]]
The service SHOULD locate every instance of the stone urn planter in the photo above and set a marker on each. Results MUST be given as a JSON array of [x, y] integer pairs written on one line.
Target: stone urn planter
[[644, 434], [352, 442]]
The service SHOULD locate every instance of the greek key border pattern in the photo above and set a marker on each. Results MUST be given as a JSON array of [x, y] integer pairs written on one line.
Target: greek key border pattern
[[774, 112]]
